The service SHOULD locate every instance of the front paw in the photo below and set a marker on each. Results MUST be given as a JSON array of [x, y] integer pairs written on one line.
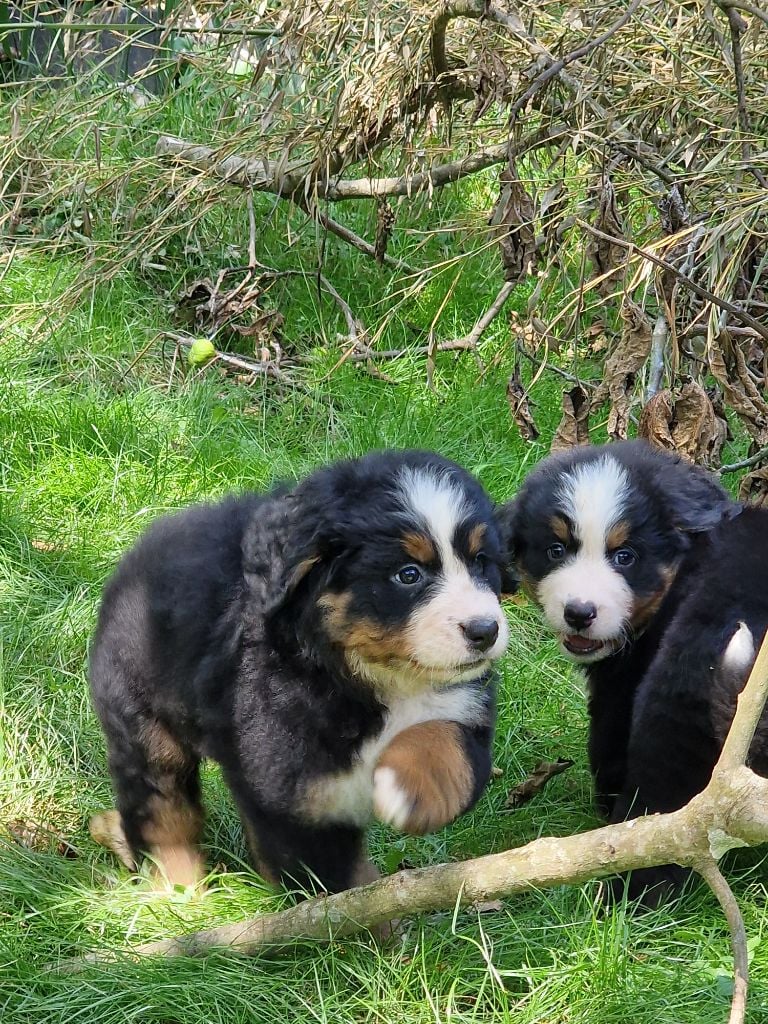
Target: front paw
[[423, 780], [649, 888]]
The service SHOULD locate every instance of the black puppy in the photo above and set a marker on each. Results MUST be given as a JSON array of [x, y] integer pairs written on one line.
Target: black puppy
[[330, 646], [654, 581]]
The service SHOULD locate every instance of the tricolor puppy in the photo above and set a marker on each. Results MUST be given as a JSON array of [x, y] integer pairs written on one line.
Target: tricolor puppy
[[330, 646], [653, 579]]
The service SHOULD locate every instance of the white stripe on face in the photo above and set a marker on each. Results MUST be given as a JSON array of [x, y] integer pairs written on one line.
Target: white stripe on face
[[593, 497], [435, 632]]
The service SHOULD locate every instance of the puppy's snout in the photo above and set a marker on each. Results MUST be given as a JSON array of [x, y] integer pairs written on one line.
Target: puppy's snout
[[580, 614], [481, 633]]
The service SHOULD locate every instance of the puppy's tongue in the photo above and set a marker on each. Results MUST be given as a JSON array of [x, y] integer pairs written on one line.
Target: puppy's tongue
[[582, 644]]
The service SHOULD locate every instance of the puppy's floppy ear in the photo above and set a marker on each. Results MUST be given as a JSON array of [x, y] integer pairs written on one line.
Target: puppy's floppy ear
[[696, 501], [506, 517]]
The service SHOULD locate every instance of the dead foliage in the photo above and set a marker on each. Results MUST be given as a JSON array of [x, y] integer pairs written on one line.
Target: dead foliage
[[608, 117], [753, 488], [622, 368], [525, 791], [573, 428], [685, 421], [517, 396]]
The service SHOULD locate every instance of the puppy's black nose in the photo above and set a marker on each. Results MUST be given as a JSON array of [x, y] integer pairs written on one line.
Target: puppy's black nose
[[481, 633], [579, 614]]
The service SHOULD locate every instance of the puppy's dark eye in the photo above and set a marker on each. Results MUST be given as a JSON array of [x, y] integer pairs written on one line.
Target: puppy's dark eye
[[408, 575], [556, 552], [623, 558], [481, 559]]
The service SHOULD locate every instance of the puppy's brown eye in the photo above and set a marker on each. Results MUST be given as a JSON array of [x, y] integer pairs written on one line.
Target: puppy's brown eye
[[556, 552], [623, 558], [408, 575]]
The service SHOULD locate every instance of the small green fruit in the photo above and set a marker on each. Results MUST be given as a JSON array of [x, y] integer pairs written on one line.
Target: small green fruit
[[200, 352]]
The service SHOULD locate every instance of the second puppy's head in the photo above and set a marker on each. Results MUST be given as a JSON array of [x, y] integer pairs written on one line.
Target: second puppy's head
[[396, 559], [596, 535]]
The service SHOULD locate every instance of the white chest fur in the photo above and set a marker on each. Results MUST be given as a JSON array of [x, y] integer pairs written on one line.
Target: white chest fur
[[347, 797]]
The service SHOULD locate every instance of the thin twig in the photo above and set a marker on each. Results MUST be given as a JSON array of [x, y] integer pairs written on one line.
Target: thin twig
[[556, 68], [555, 369], [753, 460], [712, 875], [267, 367], [252, 261], [737, 25], [741, 5], [383, 355], [703, 293]]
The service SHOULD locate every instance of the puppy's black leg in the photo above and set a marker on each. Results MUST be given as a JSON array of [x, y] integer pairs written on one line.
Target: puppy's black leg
[[156, 784], [288, 852], [430, 774], [672, 752]]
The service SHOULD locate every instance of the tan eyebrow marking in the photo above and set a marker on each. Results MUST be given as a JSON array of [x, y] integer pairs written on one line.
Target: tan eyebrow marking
[[420, 547], [617, 535], [560, 529], [476, 538]]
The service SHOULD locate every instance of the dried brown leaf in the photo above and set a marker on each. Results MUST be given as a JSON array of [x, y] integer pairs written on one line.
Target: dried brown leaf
[[729, 368], [622, 367], [607, 257], [513, 220], [385, 222], [753, 488], [518, 405], [536, 781], [685, 422], [40, 837], [574, 426]]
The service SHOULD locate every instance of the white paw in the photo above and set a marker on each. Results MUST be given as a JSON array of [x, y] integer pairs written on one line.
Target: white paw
[[740, 652], [391, 803]]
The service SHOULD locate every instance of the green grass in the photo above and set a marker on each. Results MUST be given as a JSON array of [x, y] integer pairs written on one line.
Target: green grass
[[95, 448]]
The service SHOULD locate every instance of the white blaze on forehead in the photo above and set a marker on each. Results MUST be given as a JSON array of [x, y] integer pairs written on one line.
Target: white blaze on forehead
[[593, 496], [438, 502]]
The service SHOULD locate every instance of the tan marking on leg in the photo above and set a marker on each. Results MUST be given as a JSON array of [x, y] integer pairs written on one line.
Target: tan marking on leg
[[618, 535], [420, 547], [106, 829], [476, 539], [171, 834], [162, 747], [432, 770]]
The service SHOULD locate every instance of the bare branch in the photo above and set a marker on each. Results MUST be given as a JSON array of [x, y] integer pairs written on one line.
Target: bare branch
[[556, 68], [737, 25], [712, 875], [266, 368], [753, 460]]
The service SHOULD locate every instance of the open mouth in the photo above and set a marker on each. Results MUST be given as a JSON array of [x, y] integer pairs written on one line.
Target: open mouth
[[582, 645]]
